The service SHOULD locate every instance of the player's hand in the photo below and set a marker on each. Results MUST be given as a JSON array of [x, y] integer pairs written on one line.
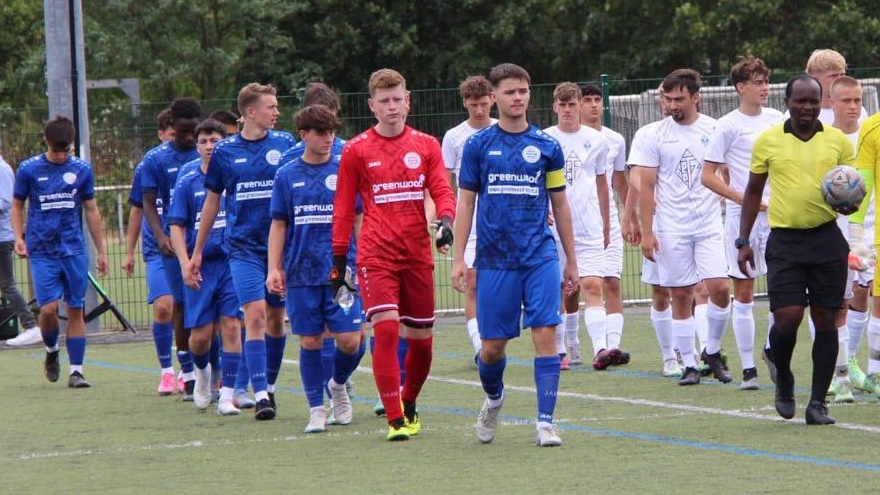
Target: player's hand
[[459, 276], [339, 276], [570, 281], [846, 210], [762, 206], [745, 259], [101, 264], [192, 272], [165, 246], [631, 232], [650, 246], [21, 248], [606, 236], [858, 246], [128, 266], [856, 263], [443, 235], [551, 220], [276, 282]]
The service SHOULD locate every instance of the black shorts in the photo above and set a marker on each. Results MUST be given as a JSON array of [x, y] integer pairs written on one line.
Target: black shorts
[[807, 267]]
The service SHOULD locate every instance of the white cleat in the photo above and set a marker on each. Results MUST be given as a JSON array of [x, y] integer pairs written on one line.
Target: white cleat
[[340, 403], [30, 336], [575, 355], [225, 407], [317, 420], [547, 436], [671, 368], [487, 422], [202, 390]]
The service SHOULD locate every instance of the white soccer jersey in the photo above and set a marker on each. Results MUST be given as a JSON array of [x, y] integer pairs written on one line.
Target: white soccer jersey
[[585, 154], [684, 205], [616, 162], [732, 144], [451, 148]]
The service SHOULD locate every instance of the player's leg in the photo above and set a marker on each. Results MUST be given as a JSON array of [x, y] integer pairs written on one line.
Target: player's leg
[[701, 308], [856, 321], [595, 319], [417, 313], [470, 297], [181, 335], [201, 314], [75, 271], [226, 303], [345, 326], [841, 384], [713, 269], [872, 380], [677, 269], [613, 270], [305, 310], [199, 346], [276, 340], [243, 376], [159, 295], [46, 275], [743, 313], [570, 310], [661, 318]]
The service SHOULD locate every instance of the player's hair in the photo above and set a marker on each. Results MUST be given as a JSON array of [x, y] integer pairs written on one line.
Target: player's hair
[[316, 118], [844, 82], [567, 91], [747, 68], [800, 77], [824, 60], [507, 71], [225, 117], [209, 126], [318, 93], [251, 93], [59, 133], [590, 90], [185, 109], [688, 79], [386, 79], [474, 87], [164, 119]]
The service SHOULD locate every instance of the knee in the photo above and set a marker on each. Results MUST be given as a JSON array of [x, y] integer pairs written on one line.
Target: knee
[[49, 309], [311, 342]]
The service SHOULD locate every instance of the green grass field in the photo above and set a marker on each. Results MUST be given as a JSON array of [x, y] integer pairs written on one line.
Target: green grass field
[[625, 431]]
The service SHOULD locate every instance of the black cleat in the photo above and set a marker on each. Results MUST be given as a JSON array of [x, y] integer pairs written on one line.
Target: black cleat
[[272, 401], [767, 356], [264, 410], [76, 380], [817, 414], [750, 379], [51, 366], [690, 376], [189, 387], [718, 367], [785, 395], [619, 357]]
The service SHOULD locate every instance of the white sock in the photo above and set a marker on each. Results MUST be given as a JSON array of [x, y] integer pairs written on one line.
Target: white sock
[[474, 334], [685, 334], [842, 354], [76, 367], [716, 318], [614, 330], [53, 348], [595, 319], [873, 345], [189, 376], [855, 325], [226, 393], [744, 331], [168, 370], [812, 328], [662, 321], [270, 388], [496, 402], [262, 394], [702, 325], [572, 324], [560, 338], [769, 326]]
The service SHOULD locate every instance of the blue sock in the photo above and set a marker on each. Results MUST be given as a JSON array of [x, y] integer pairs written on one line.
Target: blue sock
[[327, 352], [255, 353], [343, 365], [230, 365], [243, 376], [274, 355], [76, 350], [163, 337], [50, 337], [214, 353], [402, 347], [360, 355], [492, 377], [310, 370], [186, 361], [201, 360], [547, 385]]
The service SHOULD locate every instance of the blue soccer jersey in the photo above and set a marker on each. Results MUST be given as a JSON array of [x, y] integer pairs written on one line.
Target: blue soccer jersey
[[245, 170], [186, 211], [55, 194], [303, 197], [299, 148], [161, 168], [512, 173], [136, 198]]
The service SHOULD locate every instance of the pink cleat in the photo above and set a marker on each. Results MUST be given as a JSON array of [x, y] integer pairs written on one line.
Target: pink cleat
[[181, 385], [166, 384], [563, 363]]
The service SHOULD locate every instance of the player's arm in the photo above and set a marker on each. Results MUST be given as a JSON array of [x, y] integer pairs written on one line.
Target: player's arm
[[631, 230], [135, 217], [149, 193], [344, 213], [443, 197], [619, 185], [94, 223], [712, 180], [467, 200], [178, 240], [562, 214], [17, 217], [647, 185], [447, 149], [750, 206], [275, 280], [604, 205]]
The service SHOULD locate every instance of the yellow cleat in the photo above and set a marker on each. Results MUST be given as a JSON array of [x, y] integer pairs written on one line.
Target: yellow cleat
[[398, 434], [414, 426]]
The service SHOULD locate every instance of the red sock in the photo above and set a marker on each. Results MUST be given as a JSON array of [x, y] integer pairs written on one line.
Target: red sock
[[418, 366], [386, 370]]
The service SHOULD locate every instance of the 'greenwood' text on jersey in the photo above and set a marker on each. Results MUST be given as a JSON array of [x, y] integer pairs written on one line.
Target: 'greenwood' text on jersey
[[186, 211]]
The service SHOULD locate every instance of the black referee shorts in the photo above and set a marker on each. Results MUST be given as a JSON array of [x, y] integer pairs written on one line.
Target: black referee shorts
[[807, 266]]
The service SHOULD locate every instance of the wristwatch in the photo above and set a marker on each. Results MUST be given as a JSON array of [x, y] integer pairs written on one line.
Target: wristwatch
[[741, 242]]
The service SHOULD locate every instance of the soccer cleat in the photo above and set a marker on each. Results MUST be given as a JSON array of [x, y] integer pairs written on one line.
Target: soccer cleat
[[272, 401], [603, 359], [76, 380], [767, 357], [844, 391], [856, 375], [263, 410], [784, 400], [167, 384], [189, 387], [397, 431], [832, 388], [51, 366], [619, 357], [690, 376], [817, 414], [750, 379], [487, 421], [547, 436], [215, 396], [340, 403], [30, 336], [379, 409], [317, 420], [226, 407], [331, 418], [577, 357], [181, 384], [202, 389], [872, 384], [671, 368], [241, 400], [717, 365], [563, 362]]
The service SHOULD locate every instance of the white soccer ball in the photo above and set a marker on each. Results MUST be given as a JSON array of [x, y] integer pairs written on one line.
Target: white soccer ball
[[843, 187]]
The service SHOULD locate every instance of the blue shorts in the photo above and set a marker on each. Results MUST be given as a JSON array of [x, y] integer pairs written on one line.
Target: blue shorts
[[214, 299], [249, 279], [157, 284], [174, 277], [504, 295], [311, 308], [56, 277]]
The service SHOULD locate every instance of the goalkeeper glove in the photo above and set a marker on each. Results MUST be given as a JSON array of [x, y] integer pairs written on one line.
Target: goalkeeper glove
[[443, 237], [340, 276], [858, 247]]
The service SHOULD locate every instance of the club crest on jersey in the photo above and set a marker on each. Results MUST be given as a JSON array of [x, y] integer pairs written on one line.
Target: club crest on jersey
[[412, 160], [69, 178], [273, 157], [330, 182], [531, 154], [704, 139]]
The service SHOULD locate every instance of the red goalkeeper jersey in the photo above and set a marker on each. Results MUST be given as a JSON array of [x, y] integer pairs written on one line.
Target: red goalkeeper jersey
[[391, 175]]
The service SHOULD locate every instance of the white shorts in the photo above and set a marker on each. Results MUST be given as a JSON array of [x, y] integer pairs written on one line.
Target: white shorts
[[757, 241], [650, 275], [470, 252], [614, 257], [864, 278], [590, 258], [685, 260]]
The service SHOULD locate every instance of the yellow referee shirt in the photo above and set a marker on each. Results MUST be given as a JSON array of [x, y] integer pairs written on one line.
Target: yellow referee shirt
[[868, 161], [795, 170]]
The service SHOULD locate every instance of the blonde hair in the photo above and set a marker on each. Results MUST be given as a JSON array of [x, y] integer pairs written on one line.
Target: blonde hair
[[567, 91], [386, 79], [844, 82], [251, 93], [825, 60]]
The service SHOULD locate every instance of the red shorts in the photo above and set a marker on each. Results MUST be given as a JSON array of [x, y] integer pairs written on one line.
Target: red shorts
[[409, 291]]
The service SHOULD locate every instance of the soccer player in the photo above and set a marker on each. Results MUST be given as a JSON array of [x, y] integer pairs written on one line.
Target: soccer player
[[475, 98], [160, 169], [806, 252], [688, 221], [300, 241], [215, 299], [243, 167], [585, 152], [827, 66], [58, 187], [725, 172], [228, 119], [515, 169], [392, 165], [615, 174]]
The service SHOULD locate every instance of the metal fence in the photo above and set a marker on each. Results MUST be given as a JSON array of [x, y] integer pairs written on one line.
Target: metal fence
[[122, 132]]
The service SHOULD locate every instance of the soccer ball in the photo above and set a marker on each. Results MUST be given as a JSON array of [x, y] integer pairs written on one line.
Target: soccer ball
[[843, 187]]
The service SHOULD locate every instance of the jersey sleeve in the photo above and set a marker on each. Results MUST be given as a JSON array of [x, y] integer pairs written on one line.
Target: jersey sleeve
[[469, 174], [554, 169], [619, 164], [448, 150], [760, 158], [149, 181], [279, 201], [22, 185], [214, 177], [643, 153], [178, 210], [135, 196], [438, 183], [347, 185], [719, 143], [88, 187]]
